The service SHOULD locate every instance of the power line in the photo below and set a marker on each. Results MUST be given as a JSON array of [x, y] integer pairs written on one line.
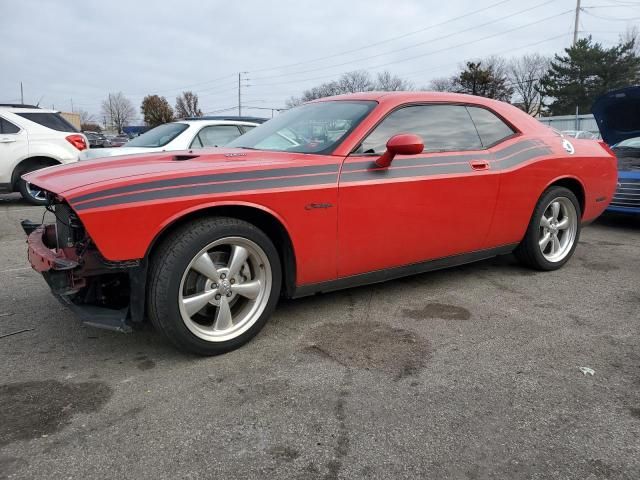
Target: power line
[[381, 42], [503, 52], [428, 53], [612, 19], [156, 92], [431, 40]]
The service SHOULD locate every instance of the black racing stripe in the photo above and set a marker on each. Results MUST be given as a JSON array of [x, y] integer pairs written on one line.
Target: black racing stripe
[[210, 189], [434, 160], [395, 173], [217, 177], [439, 169], [515, 160], [506, 158], [415, 162]]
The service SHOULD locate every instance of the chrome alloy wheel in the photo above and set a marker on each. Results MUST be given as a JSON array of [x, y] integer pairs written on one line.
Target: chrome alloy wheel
[[225, 289], [35, 192], [558, 228]]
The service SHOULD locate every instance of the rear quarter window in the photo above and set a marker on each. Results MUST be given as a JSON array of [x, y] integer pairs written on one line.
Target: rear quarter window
[[8, 127], [54, 121], [491, 128]]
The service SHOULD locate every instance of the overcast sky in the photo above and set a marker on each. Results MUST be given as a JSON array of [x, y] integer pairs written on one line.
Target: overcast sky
[[66, 51]]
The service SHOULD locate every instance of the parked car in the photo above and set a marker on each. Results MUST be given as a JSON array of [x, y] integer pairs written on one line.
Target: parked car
[[117, 141], [32, 138], [96, 139], [180, 135], [582, 134], [92, 138], [618, 116], [375, 186]]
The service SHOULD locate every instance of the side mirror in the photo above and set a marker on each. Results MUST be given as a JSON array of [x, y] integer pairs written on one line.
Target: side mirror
[[401, 144]]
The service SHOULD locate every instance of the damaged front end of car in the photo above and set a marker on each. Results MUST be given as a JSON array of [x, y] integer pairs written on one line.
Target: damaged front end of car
[[102, 293]]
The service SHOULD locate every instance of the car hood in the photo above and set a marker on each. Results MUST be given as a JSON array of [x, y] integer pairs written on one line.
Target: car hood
[[92, 153], [618, 114], [80, 178]]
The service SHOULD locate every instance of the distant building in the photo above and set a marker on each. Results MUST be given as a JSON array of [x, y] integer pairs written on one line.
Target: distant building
[[72, 118]]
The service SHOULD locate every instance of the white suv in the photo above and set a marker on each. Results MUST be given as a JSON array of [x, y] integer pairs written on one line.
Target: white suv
[[32, 138], [189, 134]]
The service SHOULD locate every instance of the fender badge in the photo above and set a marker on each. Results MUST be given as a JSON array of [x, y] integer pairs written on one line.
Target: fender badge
[[312, 206], [235, 154], [567, 145]]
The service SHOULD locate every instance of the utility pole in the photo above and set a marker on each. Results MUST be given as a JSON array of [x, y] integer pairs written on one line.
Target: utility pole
[[72, 105], [239, 94], [240, 85], [21, 94], [576, 24]]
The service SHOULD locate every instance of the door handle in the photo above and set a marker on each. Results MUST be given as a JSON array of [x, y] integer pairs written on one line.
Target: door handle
[[479, 164], [7, 140]]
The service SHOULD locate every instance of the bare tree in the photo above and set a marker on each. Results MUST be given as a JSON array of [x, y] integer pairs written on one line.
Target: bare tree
[[442, 84], [356, 81], [524, 74], [324, 90], [387, 82], [187, 105], [119, 110], [86, 117], [352, 82]]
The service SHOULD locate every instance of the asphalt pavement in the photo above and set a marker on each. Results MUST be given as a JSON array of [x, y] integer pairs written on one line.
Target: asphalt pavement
[[472, 372]]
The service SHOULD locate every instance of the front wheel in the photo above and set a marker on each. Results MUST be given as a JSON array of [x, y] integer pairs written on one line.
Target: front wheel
[[554, 230], [31, 193], [214, 283]]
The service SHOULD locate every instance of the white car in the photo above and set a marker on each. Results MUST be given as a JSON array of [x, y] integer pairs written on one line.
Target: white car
[[181, 135], [32, 138]]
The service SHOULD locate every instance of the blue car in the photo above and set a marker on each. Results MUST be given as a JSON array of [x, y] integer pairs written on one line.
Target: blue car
[[618, 116]]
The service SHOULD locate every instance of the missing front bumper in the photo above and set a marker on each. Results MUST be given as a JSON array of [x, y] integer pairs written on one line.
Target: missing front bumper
[[77, 283]]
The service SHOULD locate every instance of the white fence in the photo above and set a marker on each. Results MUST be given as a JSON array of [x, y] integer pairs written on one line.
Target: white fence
[[571, 122]]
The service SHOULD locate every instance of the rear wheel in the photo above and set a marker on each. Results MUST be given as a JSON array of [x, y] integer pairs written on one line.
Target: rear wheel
[[554, 230], [213, 285]]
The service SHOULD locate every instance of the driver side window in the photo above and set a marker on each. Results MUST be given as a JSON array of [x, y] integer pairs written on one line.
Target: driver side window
[[441, 127]]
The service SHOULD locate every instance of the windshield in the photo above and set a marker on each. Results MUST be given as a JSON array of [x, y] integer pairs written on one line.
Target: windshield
[[630, 142], [310, 128], [159, 136]]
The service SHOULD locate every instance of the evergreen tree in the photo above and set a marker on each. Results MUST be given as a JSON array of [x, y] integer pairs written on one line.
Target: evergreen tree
[[484, 78], [587, 71], [156, 110]]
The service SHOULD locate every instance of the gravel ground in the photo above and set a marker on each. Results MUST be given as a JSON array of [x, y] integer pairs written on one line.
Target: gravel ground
[[471, 372]]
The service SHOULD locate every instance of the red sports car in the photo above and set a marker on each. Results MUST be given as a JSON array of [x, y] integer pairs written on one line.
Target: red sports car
[[338, 192]]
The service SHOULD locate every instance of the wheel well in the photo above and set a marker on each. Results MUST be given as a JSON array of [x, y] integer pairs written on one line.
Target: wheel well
[[28, 164], [575, 186], [270, 225]]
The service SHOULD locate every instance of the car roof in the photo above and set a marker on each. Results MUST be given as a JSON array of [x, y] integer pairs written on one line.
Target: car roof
[[411, 96], [514, 116], [230, 118], [216, 122], [24, 109]]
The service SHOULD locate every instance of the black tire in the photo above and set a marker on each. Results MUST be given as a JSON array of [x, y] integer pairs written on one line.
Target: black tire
[[168, 263], [528, 251], [27, 193]]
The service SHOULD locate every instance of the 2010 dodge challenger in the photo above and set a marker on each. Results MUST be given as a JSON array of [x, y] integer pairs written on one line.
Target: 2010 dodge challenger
[[338, 192]]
